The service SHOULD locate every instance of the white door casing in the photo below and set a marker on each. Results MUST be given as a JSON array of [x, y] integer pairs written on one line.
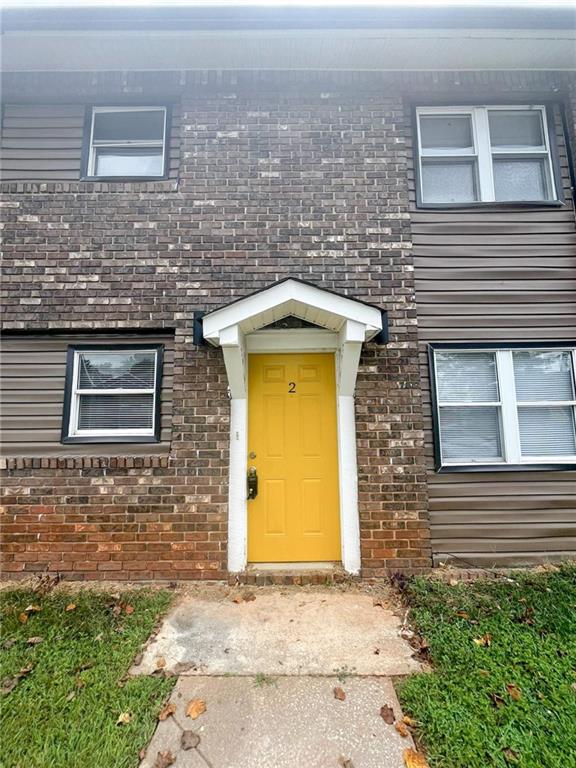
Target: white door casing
[[345, 325]]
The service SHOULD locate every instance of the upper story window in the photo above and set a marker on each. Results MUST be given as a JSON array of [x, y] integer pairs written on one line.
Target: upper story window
[[113, 394], [505, 406], [127, 142], [484, 154]]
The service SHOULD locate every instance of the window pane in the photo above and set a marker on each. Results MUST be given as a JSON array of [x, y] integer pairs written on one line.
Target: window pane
[[470, 434], [468, 377], [543, 375], [116, 412], [523, 179], [547, 431], [129, 162], [449, 182], [117, 370], [133, 125], [446, 131], [516, 128]]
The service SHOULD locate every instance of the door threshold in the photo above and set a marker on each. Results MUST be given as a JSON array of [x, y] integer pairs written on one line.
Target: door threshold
[[298, 566]]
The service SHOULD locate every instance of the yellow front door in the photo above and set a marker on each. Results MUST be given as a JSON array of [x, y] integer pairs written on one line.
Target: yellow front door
[[292, 444]]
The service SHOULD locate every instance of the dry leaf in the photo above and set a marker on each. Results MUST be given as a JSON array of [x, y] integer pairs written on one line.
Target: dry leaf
[[409, 721], [34, 640], [339, 694], [32, 609], [9, 683], [183, 666], [414, 759], [484, 673], [462, 615], [510, 755], [485, 640], [160, 662], [70, 607], [23, 618], [117, 609], [164, 759], [497, 700], [71, 696], [166, 711], [124, 718], [195, 708], [129, 609], [345, 762], [512, 689], [189, 740], [379, 602], [402, 729], [245, 597], [387, 714]]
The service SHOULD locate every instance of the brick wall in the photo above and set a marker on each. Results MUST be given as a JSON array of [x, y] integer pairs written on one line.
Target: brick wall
[[281, 175]]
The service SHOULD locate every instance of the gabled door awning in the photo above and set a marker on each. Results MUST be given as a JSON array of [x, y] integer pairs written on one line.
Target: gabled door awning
[[298, 298]]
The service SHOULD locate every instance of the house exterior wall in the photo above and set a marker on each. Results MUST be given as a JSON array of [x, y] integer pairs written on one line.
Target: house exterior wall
[[279, 175]]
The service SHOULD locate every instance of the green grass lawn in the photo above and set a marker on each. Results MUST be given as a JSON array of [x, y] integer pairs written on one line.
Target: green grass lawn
[[63, 713], [510, 698]]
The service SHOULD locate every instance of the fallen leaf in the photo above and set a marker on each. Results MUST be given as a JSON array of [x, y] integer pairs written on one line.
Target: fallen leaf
[[183, 666], [32, 609], [164, 759], [453, 582], [497, 700], [70, 607], [138, 659], [129, 609], [195, 708], [160, 662], [23, 618], [124, 718], [414, 759], [484, 673], [9, 683], [407, 720], [166, 711], [339, 694], [345, 762], [142, 754], [71, 696], [485, 640], [512, 689], [462, 615], [244, 597], [387, 714], [379, 602], [117, 610], [34, 640], [402, 729], [189, 740], [510, 755], [7, 644]]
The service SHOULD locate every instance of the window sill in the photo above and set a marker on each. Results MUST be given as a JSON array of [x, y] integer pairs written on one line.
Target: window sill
[[108, 440], [556, 467], [492, 205]]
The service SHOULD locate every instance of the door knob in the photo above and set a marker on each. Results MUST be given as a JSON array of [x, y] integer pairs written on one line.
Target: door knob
[[252, 483]]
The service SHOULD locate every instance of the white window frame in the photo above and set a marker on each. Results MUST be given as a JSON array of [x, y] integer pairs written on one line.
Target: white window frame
[[76, 392], [95, 145], [483, 151], [508, 405]]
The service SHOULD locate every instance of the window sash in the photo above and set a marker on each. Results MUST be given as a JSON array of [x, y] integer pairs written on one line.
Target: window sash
[[125, 143], [509, 405], [483, 150], [77, 392]]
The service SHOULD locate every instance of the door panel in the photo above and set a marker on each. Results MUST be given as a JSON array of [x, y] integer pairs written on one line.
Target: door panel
[[292, 432]]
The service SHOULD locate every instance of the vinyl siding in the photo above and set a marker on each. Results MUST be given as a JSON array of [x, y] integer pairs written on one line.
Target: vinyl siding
[[33, 371], [499, 274], [43, 142]]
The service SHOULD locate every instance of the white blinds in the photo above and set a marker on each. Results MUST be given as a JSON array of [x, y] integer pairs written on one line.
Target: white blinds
[[115, 392], [468, 432], [506, 405], [547, 377]]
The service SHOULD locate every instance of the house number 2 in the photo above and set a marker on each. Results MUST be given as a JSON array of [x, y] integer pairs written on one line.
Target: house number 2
[[291, 386]]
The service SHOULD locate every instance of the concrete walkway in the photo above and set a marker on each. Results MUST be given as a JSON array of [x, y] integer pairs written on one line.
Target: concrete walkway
[[266, 669]]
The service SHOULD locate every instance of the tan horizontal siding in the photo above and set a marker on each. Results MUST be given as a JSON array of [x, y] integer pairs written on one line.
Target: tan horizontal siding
[[497, 274], [43, 142], [32, 378]]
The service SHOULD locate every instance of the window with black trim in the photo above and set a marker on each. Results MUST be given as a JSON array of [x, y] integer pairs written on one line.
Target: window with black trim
[[501, 407], [484, 154], [127, 142], [113, 394]]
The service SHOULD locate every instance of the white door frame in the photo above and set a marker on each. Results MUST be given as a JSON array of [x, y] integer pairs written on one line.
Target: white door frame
[[348, 324]]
